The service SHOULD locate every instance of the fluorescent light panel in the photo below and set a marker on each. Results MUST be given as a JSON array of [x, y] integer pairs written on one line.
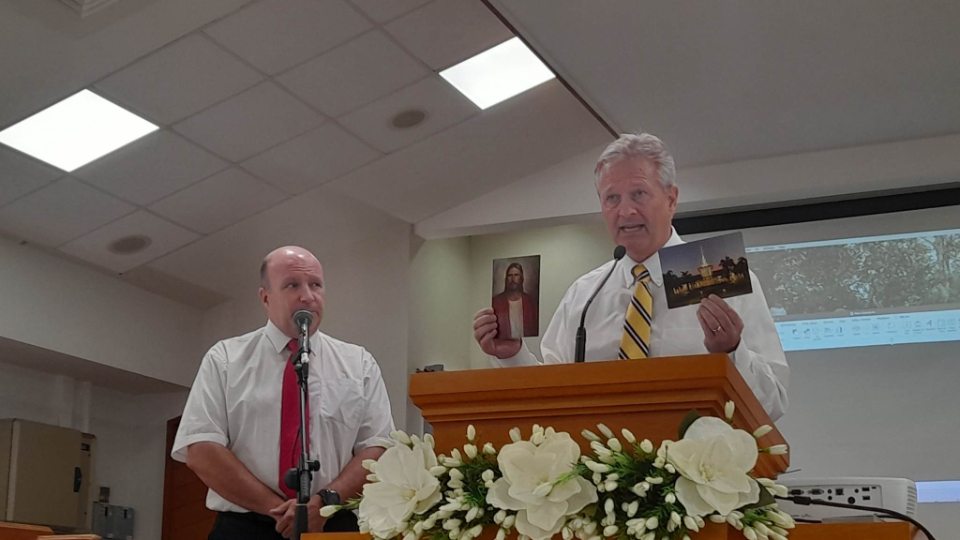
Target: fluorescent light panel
[[76, 131], [498, 73]]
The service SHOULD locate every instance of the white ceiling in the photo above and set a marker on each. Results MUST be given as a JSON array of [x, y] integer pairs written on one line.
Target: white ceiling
[[261, 103], [275, 114], [731, 81]]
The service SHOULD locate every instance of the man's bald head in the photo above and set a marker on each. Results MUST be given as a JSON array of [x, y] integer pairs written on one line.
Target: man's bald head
[[285, 252], [291, 279]]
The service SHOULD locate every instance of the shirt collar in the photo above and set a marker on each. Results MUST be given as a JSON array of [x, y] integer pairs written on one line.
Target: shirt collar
[[652, 263], [279, 340]]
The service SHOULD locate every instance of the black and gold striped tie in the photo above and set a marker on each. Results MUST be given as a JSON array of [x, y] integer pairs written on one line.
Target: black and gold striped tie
[[636, 326]]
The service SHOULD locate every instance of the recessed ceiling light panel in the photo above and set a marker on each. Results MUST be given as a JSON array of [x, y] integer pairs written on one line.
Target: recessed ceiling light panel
[[76, 131], [498, 73]]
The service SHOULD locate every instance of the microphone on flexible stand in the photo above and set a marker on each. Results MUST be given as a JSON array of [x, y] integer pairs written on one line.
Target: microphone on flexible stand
[[581, 349], [300, 477], [303, 319]]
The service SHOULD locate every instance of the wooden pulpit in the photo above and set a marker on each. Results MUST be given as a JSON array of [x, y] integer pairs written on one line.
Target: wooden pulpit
[[648, 397]]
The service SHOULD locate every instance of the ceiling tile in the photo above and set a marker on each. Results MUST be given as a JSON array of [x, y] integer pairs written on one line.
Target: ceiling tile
[[60, 212], [179, 80], [221, 200], [20, 175], [165, 237], [275, 35], [448, 32], [443, 105], [311, 159], [382, 12], [353, 75], [151, 168], [517, 138], [244, 125]]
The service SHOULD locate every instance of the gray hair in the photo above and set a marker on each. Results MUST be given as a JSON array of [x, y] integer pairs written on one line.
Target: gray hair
[[639, 146]]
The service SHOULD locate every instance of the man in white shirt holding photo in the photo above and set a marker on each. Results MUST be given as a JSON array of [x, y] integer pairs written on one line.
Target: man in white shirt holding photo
[[636, 185], [240, 428]]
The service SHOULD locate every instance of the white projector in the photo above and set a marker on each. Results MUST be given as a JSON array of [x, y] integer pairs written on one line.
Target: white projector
[[897, 494]]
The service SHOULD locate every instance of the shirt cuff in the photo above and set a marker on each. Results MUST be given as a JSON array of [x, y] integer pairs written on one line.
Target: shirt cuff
[[179, 451]]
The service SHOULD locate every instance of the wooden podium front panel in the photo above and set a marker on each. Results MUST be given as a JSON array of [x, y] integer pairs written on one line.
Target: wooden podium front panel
[[649, 397], [713, 531]]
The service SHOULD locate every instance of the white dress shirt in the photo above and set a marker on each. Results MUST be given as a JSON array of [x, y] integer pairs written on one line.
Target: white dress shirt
[[235, 401], [674, 332]]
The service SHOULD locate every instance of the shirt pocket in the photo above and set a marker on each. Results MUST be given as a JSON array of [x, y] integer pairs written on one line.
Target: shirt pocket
[[682, 342], [341, 401]]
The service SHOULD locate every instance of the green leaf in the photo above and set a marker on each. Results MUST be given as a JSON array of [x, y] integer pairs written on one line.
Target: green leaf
[[690, 418], [766, 499]]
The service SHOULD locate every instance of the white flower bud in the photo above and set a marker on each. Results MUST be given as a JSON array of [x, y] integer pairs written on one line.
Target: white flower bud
[[439, 470], [455, 474], [369, 464], [690, 523], [749, 533], [610, 486], [450, 462], [605, 430], [628, 436], [649, 536], [400, 437], [566, 533], [455, 454], [327, 511], [778, 449], [537, 438], [615, 445], [646, 446], [472, 514], [476, 530], [501, 534], [610, 531], [632, 508], [372, 478], [700, 522], [670, 468], [590, 527], [455, 484], [487, 475], [597, 478], [671, 526], [509, 521], [765, 482], [429, 440], [597, 467], [762, 430], [471, 433], [451, 524], [489, 449], [776, 536], [652, 523], [718, 519], [409, 536], [670, 498], [675, 518], [515, 435], [728, 410], [470, 450], [499, 517], [589, 435], [654, 480], [781, 491]]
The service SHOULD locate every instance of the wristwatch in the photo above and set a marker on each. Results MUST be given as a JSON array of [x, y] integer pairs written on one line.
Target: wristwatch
[[329, 497]]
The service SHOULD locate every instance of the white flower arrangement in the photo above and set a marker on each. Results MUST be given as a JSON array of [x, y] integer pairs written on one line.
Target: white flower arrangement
[[542, 486]]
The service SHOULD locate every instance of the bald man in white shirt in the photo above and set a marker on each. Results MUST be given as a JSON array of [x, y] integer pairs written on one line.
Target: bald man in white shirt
[[636, 184], [240, 427]]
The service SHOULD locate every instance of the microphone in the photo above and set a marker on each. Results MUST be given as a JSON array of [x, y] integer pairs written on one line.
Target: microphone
[[581, 349], [303, 319]]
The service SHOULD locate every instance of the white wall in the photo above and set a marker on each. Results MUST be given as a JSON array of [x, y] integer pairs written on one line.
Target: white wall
[[873, 411], [130, 431], [64, 307]]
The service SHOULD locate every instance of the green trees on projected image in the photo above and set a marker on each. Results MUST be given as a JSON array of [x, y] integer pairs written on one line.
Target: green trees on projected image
[[903, 273]]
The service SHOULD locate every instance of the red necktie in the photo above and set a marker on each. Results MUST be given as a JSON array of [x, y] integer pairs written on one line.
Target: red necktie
[[290, 421]]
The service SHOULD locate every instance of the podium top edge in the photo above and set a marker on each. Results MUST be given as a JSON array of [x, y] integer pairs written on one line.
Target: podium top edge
[[680, 369]]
